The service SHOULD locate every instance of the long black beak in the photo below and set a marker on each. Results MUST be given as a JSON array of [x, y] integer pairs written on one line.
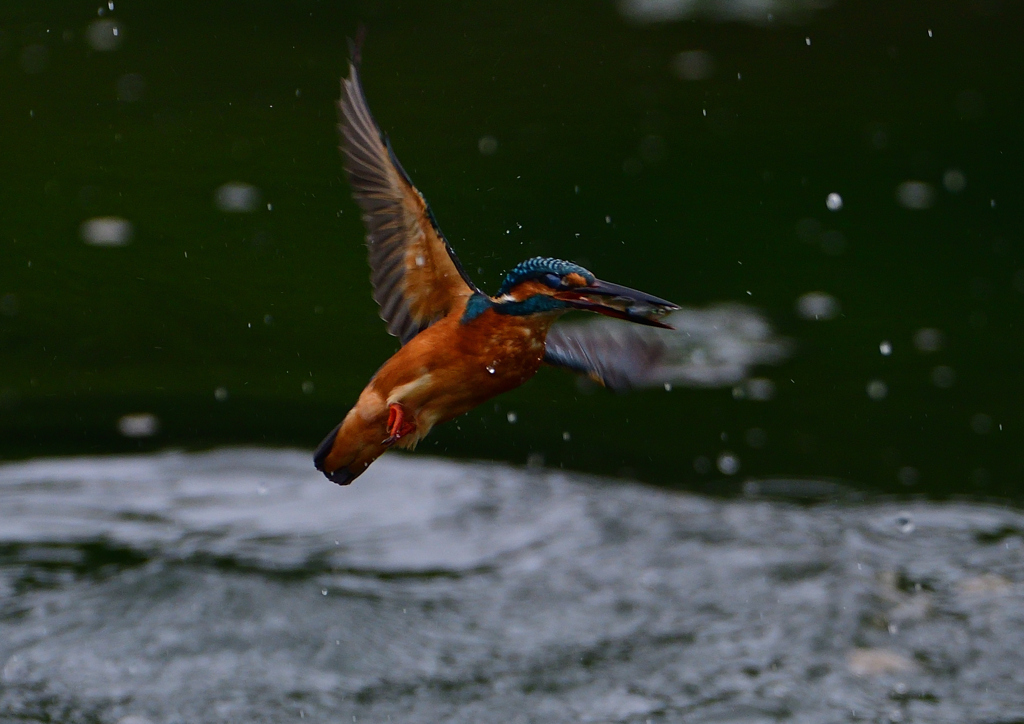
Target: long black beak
[[615, 300]]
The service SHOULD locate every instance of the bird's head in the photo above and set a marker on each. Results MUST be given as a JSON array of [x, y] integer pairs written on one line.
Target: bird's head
[[545, 285]]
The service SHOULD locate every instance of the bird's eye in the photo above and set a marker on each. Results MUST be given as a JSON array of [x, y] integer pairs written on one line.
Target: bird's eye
[[553, 280]]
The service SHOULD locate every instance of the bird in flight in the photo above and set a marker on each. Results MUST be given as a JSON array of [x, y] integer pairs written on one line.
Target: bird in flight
[[460, 347]]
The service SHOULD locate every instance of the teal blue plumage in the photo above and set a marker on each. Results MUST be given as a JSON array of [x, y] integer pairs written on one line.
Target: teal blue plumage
[[538, 268], [544, 269]]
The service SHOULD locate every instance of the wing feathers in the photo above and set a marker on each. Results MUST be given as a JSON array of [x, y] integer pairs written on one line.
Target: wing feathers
[[708, 348], [415, 274]]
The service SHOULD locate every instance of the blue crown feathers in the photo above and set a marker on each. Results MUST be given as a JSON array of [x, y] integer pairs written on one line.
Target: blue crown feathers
[[537, 268]]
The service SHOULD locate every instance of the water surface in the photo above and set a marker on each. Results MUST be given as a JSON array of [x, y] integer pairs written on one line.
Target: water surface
[[239, 585]]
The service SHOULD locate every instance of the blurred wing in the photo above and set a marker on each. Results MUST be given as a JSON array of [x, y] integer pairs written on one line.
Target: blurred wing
[[711, 347], [415, 274], [609, 353]]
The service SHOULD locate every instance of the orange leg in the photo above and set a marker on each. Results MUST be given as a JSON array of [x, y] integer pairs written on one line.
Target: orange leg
[[398, 426]]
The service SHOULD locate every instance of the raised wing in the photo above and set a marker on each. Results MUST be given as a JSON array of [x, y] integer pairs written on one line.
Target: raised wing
[[712, 347], [415, 274]]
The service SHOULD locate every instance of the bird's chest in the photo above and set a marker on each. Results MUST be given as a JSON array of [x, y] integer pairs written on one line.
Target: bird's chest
[[503, 348], [457, 366]]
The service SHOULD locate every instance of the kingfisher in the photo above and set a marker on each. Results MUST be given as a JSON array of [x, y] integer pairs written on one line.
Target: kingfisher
[[460, 347]]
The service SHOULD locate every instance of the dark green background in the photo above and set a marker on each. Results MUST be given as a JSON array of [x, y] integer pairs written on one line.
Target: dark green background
[[245, 92]]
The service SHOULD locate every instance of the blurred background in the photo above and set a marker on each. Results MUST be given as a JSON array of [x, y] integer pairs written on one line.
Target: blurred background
[[183, 266], [831, 190]]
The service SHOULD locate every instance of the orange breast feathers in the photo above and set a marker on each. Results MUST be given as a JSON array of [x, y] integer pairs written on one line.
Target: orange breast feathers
[[450, 367], [445, 370]]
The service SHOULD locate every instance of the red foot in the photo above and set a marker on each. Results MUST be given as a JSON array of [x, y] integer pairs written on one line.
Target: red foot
[[398, 426]]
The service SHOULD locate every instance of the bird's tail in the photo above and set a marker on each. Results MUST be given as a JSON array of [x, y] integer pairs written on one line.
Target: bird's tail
[[349, 448]]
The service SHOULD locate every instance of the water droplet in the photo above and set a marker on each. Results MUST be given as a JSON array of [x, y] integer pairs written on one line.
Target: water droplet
[[877, 390], [668, 387], [915, 195], [817, 306], [236, 197], [834, 202], [981, 424], [420, 261], [490, 369], [488, 145], [908, 475], [756, 438], [323, 591], [954, 181], [106, 231], [807, 40], [760, 389], [104, 35], [728, 464], [885, 347], [308, 387], [905, 523], [943, 377], [512, 417], [693, 65], [220, 394], [928, 340], [143, 424], [566, 436]]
